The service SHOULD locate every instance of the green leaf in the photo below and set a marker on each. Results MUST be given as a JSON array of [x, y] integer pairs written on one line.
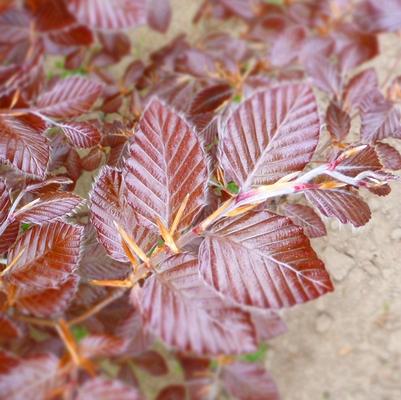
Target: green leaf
[[258, 356], [237, 98], [214, 364], [25, 226], [232, 187], [80, 332]]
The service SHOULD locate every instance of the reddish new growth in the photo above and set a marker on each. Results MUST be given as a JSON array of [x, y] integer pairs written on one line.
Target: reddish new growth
[[209, 181]]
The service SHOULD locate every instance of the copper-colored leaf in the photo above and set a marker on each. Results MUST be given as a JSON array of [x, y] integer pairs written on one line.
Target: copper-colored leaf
[[379, 15], [70, 97], [359, 86], [14, 26], [50, 206], [338, 121], [166, 163], [249, 381], [270, 135], [242, 8], [198, 376], [106, 389], [263, 260], [325, 75], [9, 236], [380, 118], [51, 255], [268, 324], [102, 14], [287, 46], [172, 392], [81, 134], [100, 345], [5, 201], [109, 206], [178, 307], [344, 205], [358, 160], [74, 35], [131, 330], [30, 378], [8, 328], [210, 98], [307, 218], [23, 145], [152, 362], [95, 262], [49, 302], [92, 160], [159, 15], [389, 156]]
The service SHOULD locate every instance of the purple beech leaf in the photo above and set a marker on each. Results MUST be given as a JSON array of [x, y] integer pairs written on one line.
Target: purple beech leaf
[[152, 362], [306, 218], [96, 263], [81, 134], [338, 122], [273, 133], [166, 163], [346, 206], [366, 159], [380, 118], [263, 260], [51, 255], [14, 26], [389, 156], [75, 35], [106, 389], [48, 302], [172, 392], [30, 378], [68, 98], [108, 204], [51, 206], [5, 201], [178, 307], [268, 324], [9, 236], [106, 15], [324, 74], [9, 330], [379, 16], [210, 98], [159, 15], [136, 339], [287, 46], [23, 145], [198, 379], [249, 381], [100, 345], [359, 87], [242, 8]]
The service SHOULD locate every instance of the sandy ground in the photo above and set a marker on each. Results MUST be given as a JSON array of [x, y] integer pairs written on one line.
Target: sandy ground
[[346, 345]]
